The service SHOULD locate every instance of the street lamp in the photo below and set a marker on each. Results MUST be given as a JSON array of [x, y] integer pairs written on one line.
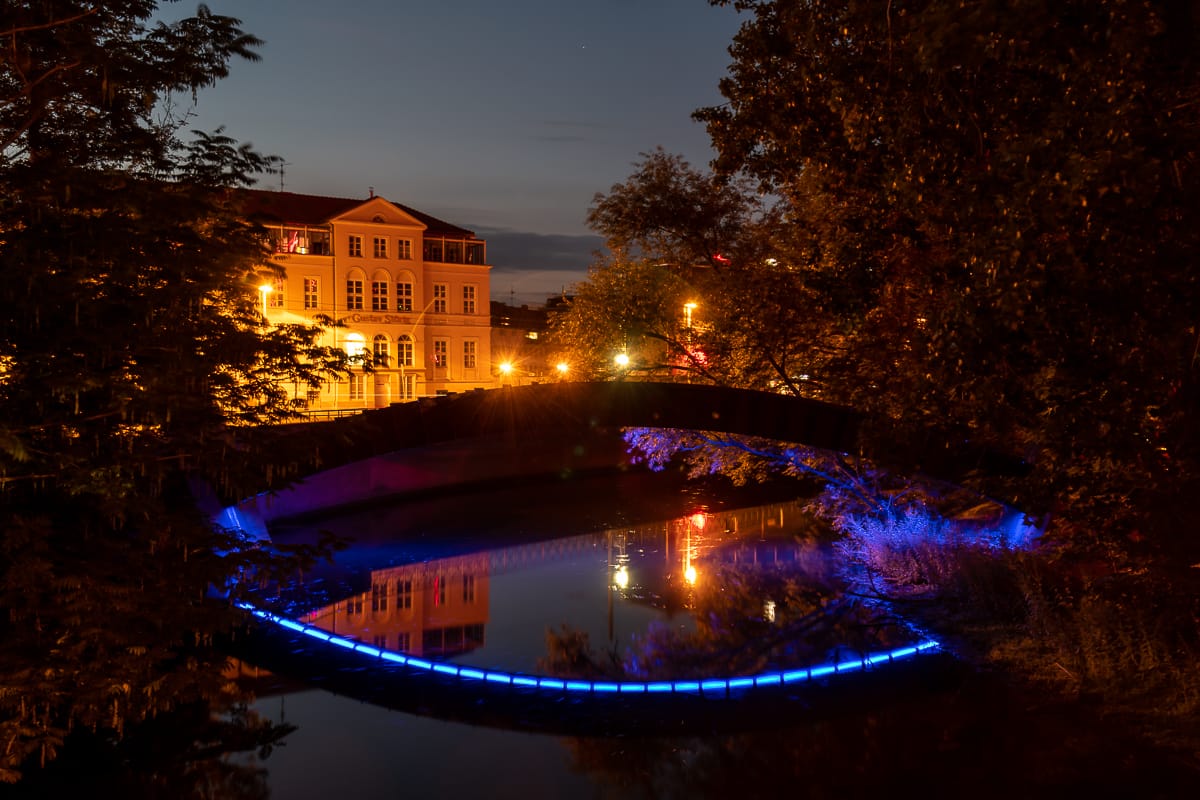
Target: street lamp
[[265, 290], [622, 360], [505, 369], [563, 368], [688, 308]]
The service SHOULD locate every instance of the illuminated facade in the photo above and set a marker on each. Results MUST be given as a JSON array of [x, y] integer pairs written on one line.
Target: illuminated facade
[[411, 290]]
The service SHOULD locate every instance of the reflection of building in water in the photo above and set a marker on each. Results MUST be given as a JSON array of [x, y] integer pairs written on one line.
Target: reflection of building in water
[[436, 608], [440, 607]]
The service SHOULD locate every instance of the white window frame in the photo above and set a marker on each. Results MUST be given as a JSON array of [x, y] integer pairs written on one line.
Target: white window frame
[[379, 295], [404, 295]]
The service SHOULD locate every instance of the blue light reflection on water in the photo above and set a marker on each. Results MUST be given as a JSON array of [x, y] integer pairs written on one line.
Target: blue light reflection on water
[[385, 752], [519, 592]]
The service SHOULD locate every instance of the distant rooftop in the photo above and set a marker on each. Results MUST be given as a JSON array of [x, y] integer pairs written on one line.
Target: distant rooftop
[[310, 209]]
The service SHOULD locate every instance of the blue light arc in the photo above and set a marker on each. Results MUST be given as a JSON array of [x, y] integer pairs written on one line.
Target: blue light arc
[[717, 686]]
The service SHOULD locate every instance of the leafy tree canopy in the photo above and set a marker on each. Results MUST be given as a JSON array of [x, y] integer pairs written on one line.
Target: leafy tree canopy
[[985, 224], [131, 351], [1016, 182]]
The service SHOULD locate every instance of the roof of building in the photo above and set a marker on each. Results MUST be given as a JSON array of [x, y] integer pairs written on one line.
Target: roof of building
[[310, 209]]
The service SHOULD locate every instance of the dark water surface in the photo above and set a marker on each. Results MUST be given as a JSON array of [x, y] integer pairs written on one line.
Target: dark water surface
[[478, 578]]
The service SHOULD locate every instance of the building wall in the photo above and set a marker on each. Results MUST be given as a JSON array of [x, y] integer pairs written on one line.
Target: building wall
[[449, 305]]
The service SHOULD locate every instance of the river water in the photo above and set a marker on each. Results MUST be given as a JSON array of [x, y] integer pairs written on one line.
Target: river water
[[623, 559]]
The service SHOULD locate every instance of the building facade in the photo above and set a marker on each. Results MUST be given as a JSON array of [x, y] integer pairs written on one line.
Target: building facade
[[411, 291]]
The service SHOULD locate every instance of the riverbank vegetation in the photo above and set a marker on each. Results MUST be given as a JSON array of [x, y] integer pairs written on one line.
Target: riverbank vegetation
[[980, 229]]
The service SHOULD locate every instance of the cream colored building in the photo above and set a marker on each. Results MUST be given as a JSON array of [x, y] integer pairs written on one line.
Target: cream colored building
[[412, 291]]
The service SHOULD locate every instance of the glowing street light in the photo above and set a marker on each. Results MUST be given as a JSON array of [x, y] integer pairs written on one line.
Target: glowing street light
[[688, 308], [622, 360], [563, 368], [621, 577], [505, 367], [265, 290]]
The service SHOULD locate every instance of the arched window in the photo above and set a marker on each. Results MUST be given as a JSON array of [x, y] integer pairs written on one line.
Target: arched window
[[354, 346], [380, 347], [354, 291], [380, 282], [404, 291], [404, 350]]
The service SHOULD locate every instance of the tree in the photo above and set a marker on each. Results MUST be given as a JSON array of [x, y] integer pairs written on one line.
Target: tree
[[993, 210], [629, 307], [131, 352], [754, 322]]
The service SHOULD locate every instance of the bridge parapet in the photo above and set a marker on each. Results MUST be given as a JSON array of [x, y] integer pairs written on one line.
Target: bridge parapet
[[517, 431]]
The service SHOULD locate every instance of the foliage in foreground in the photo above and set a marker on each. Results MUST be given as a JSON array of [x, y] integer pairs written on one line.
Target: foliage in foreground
[[975, 224], [132, 355]]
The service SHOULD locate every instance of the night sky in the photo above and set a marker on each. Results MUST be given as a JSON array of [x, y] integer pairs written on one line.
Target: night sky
[[503, 117]]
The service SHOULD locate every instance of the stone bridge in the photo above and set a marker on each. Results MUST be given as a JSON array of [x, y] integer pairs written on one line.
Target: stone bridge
[[555, 428]]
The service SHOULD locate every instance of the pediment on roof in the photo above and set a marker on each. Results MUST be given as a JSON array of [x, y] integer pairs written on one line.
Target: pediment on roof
[[379, 212]]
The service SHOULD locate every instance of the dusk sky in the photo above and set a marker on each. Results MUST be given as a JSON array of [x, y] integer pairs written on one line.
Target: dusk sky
[[505, 118]]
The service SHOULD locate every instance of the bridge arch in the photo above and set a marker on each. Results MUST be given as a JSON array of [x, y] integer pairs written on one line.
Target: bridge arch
[[552, 428]]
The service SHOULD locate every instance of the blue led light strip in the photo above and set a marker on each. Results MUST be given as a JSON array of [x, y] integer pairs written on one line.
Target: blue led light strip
[[708, 686]]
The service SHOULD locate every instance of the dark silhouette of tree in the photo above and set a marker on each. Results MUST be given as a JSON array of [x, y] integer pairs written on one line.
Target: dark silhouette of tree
[[1014, 186], [978, 224], [131, 351]]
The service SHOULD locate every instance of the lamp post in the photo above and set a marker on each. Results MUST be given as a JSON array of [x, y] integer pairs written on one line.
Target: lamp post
[[263, 291], [412, 336]]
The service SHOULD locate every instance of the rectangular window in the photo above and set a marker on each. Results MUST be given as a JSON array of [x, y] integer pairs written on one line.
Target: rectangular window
[[475, 253], [404, 249], [379, 597], [408, 387], [356, 247], [354, 294], [355, 605], [379, 296], [441, 351], [404, 593], [380, 250], [433, 250], [275, 296], [453, 253], [468, 299], [380, 641], [468, 355], [358, 386], [468, 588], [440, 293], [404, 296], [404, 350], [403, 641], [312, 294]]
